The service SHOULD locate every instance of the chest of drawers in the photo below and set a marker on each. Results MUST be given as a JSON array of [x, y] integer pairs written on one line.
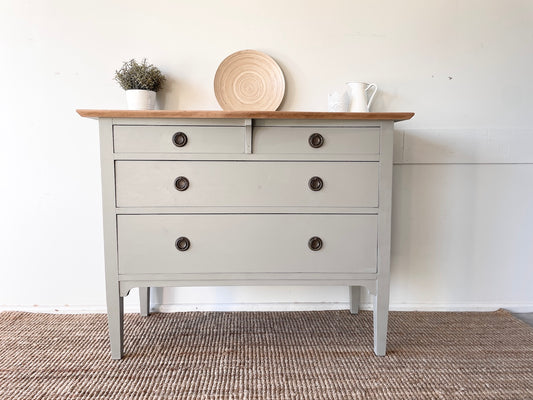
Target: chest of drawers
[[215, 198]]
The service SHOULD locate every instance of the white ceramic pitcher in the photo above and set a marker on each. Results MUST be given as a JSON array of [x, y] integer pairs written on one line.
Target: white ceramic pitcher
[[358, 94]]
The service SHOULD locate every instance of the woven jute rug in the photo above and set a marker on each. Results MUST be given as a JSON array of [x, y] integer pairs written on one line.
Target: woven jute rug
[[267, 355]]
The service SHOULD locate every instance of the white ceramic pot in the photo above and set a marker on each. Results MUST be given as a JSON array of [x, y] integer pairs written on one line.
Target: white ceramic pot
[[140, 99]]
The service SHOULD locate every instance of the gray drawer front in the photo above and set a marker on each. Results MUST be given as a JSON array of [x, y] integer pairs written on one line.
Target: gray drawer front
[[295, 140], [159, 139], [247, 183], [247, 244]]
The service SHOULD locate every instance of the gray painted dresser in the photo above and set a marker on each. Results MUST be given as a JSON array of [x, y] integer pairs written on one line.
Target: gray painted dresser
[[209, 198]]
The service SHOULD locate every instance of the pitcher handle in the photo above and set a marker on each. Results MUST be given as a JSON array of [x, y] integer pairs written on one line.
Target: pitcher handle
[[373, 94]]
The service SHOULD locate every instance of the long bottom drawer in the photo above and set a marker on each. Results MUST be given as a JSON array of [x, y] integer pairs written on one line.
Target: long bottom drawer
[[244, 243]]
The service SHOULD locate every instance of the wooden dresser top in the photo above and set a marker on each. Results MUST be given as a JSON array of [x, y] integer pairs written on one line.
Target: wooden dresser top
[[390, 116]]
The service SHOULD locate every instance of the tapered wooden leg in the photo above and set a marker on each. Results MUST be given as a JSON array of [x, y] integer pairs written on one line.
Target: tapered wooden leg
[[115, 320], [355, 298], [144, 299], [381, 295], [381, 316]]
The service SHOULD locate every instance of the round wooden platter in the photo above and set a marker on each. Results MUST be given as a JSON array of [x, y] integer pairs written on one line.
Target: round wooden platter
[[249, 80]]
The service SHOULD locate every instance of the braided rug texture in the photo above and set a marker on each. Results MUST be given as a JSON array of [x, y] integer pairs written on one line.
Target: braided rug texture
[[267, 355]]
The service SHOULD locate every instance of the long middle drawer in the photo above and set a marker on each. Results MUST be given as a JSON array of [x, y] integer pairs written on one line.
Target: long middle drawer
[[246, 183]]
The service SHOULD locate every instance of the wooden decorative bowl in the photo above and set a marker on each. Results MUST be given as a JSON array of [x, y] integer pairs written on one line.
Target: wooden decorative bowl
[[249, 80]]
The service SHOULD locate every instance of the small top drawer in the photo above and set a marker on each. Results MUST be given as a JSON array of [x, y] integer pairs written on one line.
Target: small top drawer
[[178, 139], [316, 140]]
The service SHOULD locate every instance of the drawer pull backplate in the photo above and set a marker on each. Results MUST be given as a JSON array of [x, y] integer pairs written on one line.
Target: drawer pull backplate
[[316, 140], [181, 183], [182, 243], [316, 183], [179, 139], [315, 243]]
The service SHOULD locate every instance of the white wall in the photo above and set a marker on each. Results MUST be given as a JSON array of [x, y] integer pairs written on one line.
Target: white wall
[[463, 220]]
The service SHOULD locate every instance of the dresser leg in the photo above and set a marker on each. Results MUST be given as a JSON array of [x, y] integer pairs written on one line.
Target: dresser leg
[[355, 298], [381, 316], [115, 320], [144, 299]]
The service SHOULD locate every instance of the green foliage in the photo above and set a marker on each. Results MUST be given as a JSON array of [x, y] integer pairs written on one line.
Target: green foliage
[[144, 76]]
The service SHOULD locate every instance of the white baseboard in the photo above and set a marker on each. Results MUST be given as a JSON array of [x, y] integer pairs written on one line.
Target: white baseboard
[[81, 309], [513, 307], [167, 308], [251, 307], [461, 307]]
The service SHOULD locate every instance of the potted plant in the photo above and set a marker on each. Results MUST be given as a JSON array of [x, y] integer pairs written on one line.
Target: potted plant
[[141, 81]]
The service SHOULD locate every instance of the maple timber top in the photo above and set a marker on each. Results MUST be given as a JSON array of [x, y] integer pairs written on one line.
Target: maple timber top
[[390, 116]]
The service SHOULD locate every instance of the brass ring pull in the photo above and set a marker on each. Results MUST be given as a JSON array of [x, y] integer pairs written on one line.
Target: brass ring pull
[[316, 183], [179, 139], [316, 140], [181, 183], [315, 243], [182, 243]]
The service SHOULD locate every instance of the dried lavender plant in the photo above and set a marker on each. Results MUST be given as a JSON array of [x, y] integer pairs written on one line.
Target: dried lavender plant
[[144, 76]]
